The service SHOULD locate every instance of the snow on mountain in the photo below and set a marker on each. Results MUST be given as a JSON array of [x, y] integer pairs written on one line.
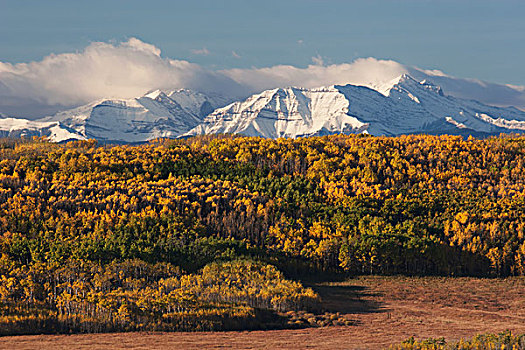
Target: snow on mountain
[[412, 106], [140, 119], [54, 131], [290, 112], [197, 103], [401, 106], [493, 94]]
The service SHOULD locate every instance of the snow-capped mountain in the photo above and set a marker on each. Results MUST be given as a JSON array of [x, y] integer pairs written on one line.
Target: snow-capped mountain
[[197, 103], [289, 112], [151, 116], [401, 106], [54, 131]]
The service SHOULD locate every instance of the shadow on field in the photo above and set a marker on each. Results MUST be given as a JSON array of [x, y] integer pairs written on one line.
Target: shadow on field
[[348, 299]]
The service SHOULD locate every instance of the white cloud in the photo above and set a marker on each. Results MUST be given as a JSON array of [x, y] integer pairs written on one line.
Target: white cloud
[[101, 70], [132, 68], [373, 72], [142, 46], [204, 51], [435, 72], [364, 71]]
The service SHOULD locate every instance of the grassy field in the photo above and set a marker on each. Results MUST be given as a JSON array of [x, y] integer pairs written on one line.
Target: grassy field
[[382, 311]]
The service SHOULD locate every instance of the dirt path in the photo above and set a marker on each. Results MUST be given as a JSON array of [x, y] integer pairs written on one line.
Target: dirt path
[[385, 311]]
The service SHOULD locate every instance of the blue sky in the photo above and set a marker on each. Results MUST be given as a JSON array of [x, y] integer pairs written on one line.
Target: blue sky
[[481, 39]]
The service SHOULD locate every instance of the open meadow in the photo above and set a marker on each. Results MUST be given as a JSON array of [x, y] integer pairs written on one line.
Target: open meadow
[[383, 311]]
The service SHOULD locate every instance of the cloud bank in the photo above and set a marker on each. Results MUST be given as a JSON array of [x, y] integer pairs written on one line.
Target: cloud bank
[[102, 70], [363, 71], [132, 68]]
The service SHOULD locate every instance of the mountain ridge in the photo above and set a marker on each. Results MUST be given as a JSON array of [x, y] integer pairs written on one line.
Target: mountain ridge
[[403, 105]]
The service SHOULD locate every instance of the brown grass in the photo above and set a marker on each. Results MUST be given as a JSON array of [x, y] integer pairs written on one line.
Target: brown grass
[[384, 310]]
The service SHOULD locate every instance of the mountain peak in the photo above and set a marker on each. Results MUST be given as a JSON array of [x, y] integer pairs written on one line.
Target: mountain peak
[[406, 82], [401, 106], [384, 88], [405, 105], [154, 94], [406, 77], [284, 112], [137, 119]]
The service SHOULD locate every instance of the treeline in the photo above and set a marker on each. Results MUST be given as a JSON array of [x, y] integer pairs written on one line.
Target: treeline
[[352, 204], [133, 295]]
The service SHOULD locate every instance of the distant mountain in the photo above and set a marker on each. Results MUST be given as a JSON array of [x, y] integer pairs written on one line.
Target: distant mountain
[[493, 94], [156, 114], [402, 106], [289, 112], [54, 131], [197, 103]]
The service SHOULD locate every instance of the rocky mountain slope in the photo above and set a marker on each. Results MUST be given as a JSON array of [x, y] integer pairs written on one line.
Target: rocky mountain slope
[[402, 106]]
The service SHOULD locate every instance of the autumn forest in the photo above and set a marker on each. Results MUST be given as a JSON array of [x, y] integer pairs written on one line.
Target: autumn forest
[[217, 232]]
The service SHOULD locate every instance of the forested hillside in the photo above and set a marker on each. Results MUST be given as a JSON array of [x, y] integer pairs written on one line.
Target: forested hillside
[[193, 234]]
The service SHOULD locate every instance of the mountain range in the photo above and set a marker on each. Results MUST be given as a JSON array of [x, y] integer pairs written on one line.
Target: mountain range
[[404, 105], [155, 115]]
